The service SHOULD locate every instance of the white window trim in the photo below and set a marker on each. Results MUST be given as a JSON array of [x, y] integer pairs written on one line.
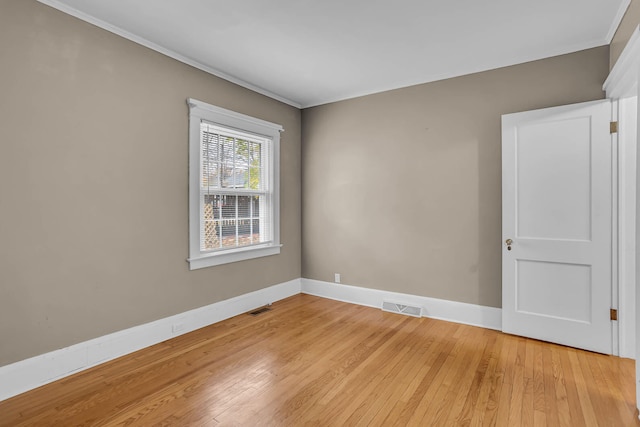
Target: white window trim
[[199, 111]]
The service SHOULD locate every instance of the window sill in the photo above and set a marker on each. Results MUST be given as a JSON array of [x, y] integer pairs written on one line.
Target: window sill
[[234, 255]]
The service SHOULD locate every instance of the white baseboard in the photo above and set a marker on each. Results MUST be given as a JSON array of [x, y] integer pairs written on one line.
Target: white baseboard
[[30, 373], [459, 312]]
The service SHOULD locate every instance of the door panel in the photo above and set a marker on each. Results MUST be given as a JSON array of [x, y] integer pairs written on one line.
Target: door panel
[[554, 192], [556, 175], [570, 283]]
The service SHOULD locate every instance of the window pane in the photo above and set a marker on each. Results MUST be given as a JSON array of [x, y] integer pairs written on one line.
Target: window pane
[[241, 177], [217, 206], [255, 203], [227, 150], [211, 230], [228, 206], [247, 234], [244, 206], [254, 166], [229, 233], [242, 163], [210, 159], [230, 162], [256, 230]]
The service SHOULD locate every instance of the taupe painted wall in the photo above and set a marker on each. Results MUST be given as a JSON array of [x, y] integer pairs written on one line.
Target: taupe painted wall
[[628, 24], [402, 189], [93, 184]]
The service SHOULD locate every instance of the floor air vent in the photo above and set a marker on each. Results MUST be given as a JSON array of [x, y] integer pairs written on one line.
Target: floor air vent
[[409, 310], [259, 311]]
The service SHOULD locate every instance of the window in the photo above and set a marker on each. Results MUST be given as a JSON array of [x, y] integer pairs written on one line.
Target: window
[[233, 186]]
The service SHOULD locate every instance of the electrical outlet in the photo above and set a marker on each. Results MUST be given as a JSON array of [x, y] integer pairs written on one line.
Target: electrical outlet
[[176, 328], [337, 278]]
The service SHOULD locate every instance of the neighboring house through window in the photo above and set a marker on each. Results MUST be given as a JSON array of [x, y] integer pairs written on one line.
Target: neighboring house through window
[[233, 186]]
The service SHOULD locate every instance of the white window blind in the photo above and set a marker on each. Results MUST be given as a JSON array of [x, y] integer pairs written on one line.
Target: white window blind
[[235, 194]]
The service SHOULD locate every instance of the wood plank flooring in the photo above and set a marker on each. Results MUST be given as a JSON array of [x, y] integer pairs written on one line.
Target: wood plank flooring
[[314, 361]]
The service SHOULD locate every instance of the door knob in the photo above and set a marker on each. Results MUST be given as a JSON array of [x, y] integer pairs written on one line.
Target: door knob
[[508, 242]]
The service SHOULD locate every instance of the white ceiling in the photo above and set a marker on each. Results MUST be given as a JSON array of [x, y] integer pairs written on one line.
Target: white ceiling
[[308, 53]]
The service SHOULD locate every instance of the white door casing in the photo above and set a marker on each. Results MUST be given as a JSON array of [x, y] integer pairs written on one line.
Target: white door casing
[[622, 83], [556, 208]]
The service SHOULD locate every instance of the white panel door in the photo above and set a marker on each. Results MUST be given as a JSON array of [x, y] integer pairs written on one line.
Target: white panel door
[[556, 225]]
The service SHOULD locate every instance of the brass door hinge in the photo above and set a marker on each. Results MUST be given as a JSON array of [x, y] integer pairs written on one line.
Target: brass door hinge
[[614, 314], [613, 127]]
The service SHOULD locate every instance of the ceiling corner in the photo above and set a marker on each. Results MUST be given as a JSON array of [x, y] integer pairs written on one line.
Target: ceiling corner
[[616, 21]]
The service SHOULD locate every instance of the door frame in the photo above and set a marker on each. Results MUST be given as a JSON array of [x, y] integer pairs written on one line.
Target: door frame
[[622, 85], [624, 244]]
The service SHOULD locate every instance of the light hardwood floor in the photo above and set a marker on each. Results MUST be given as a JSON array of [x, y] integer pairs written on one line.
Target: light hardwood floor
[[313, 361]]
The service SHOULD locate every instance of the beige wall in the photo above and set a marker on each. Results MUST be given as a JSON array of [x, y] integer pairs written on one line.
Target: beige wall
[[402, 189], [93, 184], [628, 24]]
